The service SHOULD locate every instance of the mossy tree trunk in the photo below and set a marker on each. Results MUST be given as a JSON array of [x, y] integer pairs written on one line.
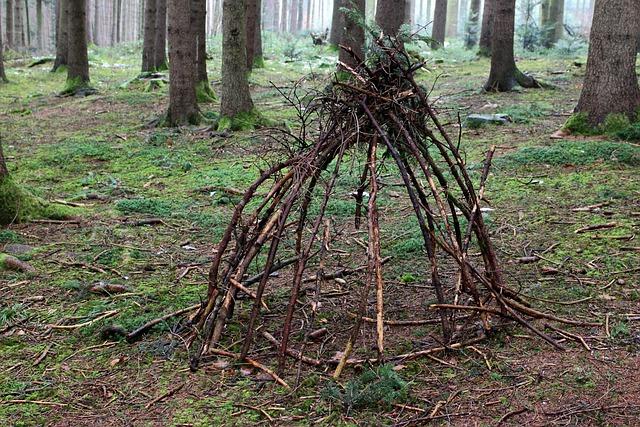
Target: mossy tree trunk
[[504, 74], [611, 82], [204, 93], [183, 107], [78, 57], [390, 15], [160, 44], [149, 42], [236, 98], [62, 35], [439, 24], [486, 31], [353, 35]]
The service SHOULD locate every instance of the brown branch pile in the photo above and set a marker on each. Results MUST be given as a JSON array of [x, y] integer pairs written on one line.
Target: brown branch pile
[[379, 112]]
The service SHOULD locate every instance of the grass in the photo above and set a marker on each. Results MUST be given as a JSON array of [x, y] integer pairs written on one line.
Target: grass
[[97, 151]]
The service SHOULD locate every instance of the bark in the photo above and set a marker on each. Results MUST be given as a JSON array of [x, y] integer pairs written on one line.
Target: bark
[[452, 18], [39, 23], [3, 78], [10, 24], [409, 11], [353, 36], [611, 82], [504, 74], [439, 24], [471, 36], [183, 108], [283, 16], [96, 22], [27, 23], [160, 44], [486, 32], [253, 28], [4, 172], [18, 22], [78, 68], [390, 15], [551, 21], [199, 22], [236, 97], [148, 45], [62, 35], [337, 23]]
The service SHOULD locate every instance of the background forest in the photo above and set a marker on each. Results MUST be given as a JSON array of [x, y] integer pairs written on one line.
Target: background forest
[[319, 212]]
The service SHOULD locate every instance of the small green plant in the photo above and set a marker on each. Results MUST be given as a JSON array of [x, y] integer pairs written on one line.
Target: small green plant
[[145, 206], [11, 314], [620, 330], [579, 124], [615, 123], [374, 388]]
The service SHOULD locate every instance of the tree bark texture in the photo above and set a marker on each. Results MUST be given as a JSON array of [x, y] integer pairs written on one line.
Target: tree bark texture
[[353, 35], [390, 15], [439, 24], [62, 35], [160, 43], [78, 58], [337, 23], [199, 20], [611, 82], [471, 33], [236, 97], [148, 44]]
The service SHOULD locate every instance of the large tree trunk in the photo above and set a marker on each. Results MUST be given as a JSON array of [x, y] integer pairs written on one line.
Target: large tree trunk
[[148, 45], [337, 23], [78, 68], [160, 44], [452, 18], [504, 75], [439, 24], [390, 15], [486, 32], [254, 36], [62, 35], [236, 97], [353, 35], [183, 107], [611, 82]]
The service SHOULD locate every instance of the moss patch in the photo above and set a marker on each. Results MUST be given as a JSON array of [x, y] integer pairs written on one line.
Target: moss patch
[[204, 93], [18, 205], [242, 121]]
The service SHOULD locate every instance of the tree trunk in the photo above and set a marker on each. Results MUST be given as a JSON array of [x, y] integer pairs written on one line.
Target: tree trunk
[[3, 79], [390, 15], [27, 23], [62, 35], [283, 15], [611, 82], [486, 32], [183, 107], [254, 36], [439, 24], [337, 23], [39, 23], [10, 24], [78, 69], [199, 19], [452, 18], [96, 22], [556, 15], [236, 97], [160, 44], [18, 22], [471, 33], [353, 35], [148, 45], [504, 74]]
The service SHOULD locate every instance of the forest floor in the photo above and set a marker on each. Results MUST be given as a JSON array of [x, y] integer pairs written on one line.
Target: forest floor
[[97, 152]]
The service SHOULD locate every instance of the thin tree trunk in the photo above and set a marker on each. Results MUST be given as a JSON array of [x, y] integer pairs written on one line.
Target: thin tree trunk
[[337, 23], [39, 25], [236, 97], [471, 33], [353, 35], [283, 15], [78, 69], [254, 29], [18, 17], [10, 24], [148, 45], [439, 24], [160, 44], [96, 21], [62, 35], [486, 33], [3, 79], [27, 22], [183, 107], [611, 82], [199, 19]]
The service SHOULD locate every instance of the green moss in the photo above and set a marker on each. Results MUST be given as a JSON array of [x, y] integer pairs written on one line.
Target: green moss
[[579, 124], [76, 85], [242, 121], [615, 123], [204, 93], [19, 205], [258, 62], [145, 206]]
